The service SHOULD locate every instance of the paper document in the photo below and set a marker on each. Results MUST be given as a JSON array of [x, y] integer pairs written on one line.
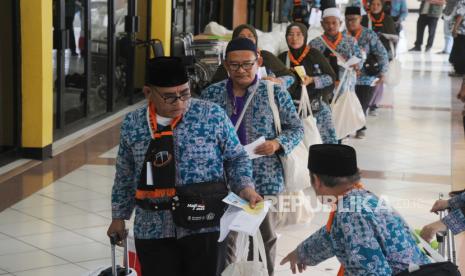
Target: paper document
[[250, 148], [236, 219], [353, 60], [262, 72], [235, 200], [300, 70]]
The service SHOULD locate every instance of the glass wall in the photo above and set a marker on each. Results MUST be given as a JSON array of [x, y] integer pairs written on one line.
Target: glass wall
[[90, 56]]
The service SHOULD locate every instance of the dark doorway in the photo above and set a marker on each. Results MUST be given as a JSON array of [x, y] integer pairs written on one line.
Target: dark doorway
[[9, 81]]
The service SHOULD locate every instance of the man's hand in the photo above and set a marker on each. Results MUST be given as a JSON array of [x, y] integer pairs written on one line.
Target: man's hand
[[275, 80], [307, 80], [251, 196], [429, 231], [268, 147], [461, 94], [454, 32], [117, 227], [294, 262], [440, 205]]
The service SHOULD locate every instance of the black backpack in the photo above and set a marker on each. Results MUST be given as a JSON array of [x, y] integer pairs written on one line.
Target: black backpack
[[371, 65]]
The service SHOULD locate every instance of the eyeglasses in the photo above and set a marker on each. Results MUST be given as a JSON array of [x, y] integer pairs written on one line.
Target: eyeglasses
[[172, 99], [245, 65], [351, 19]]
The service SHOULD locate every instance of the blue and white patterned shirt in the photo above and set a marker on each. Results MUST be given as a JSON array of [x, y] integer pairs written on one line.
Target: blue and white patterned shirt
[[461, 12], [455, 220], [369, 42], [347, 48], [258, 119], [206, 148], [371, 240]]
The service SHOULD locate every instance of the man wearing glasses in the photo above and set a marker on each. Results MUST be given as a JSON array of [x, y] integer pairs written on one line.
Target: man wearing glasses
[[245, 98], [170, 148]]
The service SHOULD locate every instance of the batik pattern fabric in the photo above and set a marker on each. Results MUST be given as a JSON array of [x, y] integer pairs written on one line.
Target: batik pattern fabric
[[455, 219], [369, 42], [258, 119], [367, 239], [324, 123], [461, 12], [347, 48], [399, 9], [206, 148]]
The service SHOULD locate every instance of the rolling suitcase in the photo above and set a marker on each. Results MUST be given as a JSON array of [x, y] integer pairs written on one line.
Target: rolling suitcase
[[115, 270]]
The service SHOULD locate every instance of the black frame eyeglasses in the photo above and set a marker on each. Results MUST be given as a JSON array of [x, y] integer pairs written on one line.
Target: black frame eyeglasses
[[247, 66], [183, 96]]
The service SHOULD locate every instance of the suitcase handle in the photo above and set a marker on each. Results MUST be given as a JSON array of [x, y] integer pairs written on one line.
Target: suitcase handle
[[114, 239]]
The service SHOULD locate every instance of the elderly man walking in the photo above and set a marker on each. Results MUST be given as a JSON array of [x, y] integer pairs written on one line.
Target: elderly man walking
[[245, 98], [183, 152]]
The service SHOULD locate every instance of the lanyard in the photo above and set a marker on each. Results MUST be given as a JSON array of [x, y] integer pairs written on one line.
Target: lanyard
[[334, 44], [297, 61], [358, 34], [379, 22], [153, 126]]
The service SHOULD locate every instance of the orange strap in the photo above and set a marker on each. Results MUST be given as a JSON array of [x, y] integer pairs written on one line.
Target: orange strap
[[297, 61], [358, 34], [334, 44], [329, 224], [154, 125], [158, 193], [379, 22]]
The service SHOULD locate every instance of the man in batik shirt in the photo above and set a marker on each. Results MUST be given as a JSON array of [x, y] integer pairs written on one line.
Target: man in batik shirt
[[176, 143], [373, 53], [365, 235]]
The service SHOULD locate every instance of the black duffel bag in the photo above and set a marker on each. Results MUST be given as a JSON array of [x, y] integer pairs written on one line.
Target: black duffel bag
[[434, 269], [199, 205]]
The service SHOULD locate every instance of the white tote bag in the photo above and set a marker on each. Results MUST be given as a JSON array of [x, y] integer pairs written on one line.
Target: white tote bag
[[346, 110], [296, 174], [243, 267], [311, 133], [300, 211]]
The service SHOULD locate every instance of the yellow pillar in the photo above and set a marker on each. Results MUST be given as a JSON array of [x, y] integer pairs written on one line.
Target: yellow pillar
[[36, 77], [161, 23]]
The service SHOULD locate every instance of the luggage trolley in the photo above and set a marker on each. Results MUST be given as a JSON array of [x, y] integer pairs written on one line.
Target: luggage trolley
[[446, 240]]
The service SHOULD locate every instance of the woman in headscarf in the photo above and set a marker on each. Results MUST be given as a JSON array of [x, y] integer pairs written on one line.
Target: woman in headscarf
[[319, 78], [276, 70], [381, 23]]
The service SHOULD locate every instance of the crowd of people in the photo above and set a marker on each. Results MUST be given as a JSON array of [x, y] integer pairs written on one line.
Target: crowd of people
[[179, 151]]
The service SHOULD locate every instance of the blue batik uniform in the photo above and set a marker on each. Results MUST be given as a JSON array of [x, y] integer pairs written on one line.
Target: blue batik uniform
[[368, 240], [370, 43], [206, 148], [258, 121], [455, 219], [347, 48]]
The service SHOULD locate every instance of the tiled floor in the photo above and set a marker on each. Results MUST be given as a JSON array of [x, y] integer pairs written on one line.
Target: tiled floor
[[60, 230]]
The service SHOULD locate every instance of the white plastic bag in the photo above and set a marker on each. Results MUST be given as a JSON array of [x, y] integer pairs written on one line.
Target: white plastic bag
[[346, 110], [243, 267], [394, 72], [296, 174], [293, 210]]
